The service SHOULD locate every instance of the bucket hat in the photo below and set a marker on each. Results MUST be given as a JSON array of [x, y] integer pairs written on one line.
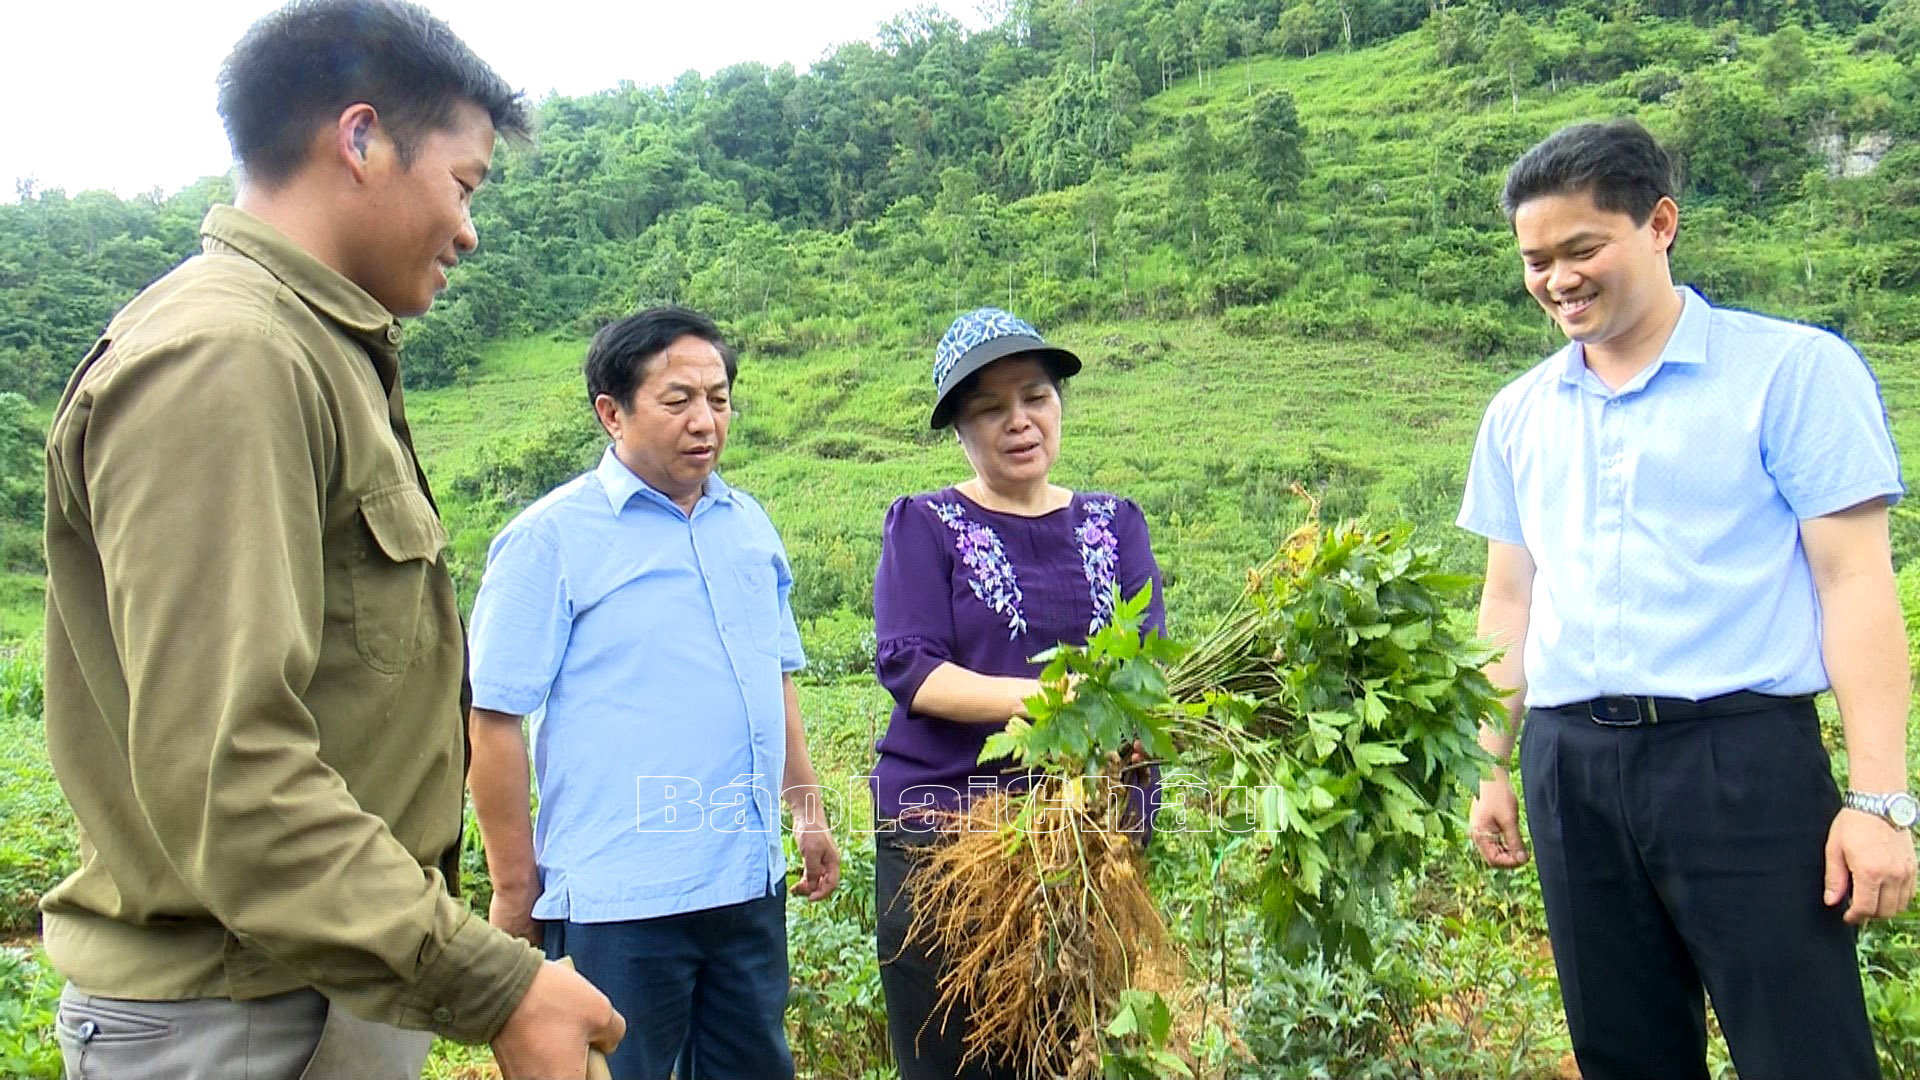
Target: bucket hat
[[977, 339]]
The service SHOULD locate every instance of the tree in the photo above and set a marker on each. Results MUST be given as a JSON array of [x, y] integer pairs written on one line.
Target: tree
[[1097, 200], [1216, 33], [1193, 176], [1514, 54], [22, 479], [20, 460], [439, 347], [1082, 120], [1622, 45], [1786, 61], [1336, 19], [1163, 43], [1899, 24], [1299, 30], [1736, 141], [1274, 140]]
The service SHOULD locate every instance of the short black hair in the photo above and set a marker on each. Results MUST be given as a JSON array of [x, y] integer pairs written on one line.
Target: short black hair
[[301, 66], [621, 353], [1619, 163]]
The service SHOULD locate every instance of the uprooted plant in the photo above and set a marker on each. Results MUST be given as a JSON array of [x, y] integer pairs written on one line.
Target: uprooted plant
[[1328, 722], [1039, 905]]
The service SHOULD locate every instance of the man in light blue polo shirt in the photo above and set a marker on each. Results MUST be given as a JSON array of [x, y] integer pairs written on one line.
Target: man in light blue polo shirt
[[640, 613], [1686, 515]]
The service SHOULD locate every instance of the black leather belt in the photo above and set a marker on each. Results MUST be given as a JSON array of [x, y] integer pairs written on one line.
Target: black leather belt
[[1635, 711]]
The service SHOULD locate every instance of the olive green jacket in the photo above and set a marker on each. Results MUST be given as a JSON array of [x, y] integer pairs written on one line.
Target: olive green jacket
[[255, 660]]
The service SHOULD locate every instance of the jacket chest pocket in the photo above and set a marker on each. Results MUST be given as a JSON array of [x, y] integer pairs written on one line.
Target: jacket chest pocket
[[394, 603]]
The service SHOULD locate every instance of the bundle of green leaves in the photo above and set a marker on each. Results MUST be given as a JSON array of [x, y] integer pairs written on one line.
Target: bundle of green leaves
[[1328, 724], [1096, 701], [1332, 717]]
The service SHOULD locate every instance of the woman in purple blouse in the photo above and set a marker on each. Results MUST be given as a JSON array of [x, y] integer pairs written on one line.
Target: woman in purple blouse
[[974, 581]]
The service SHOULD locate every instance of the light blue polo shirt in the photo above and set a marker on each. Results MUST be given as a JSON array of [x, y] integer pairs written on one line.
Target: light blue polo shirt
[[1664, 518], [648, 644]]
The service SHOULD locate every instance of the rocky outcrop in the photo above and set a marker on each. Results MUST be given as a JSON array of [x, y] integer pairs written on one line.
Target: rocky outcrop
[[1851, 157]]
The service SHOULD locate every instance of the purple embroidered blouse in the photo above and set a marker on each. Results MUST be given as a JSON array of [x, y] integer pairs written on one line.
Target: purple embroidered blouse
[[987, 591]]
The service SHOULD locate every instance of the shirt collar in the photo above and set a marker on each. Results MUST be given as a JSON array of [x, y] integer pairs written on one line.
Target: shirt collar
[[1686, 345], [232, 229], [621, 484]]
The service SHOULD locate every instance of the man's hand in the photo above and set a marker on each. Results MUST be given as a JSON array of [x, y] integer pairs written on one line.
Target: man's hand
[[1876, 858], [547, 1036], [820, 860], [1494, 823], [512, 910]]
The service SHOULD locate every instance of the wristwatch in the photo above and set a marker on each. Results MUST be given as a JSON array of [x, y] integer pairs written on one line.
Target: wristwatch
[[1899, 808]]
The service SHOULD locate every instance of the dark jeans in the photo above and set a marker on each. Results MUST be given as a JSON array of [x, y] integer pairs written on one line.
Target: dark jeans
[[704, 993], [1688, 856], [927, 1044]]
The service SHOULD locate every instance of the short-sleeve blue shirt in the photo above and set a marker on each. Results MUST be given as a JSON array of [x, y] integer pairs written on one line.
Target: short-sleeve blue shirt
[[648, 644], [1664, 517]]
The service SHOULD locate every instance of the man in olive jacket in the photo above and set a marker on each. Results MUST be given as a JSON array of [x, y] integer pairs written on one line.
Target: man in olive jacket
[[255, 662]]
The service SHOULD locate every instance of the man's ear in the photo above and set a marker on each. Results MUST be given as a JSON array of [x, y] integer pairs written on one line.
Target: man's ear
[[1666, 222], [353, 137], [609, 414]]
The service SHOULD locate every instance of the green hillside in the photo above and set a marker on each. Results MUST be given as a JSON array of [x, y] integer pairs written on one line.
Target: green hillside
[[1283, 267], [1270, 230]]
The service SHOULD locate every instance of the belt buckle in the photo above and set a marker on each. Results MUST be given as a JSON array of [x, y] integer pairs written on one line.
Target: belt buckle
[[1622, 711]]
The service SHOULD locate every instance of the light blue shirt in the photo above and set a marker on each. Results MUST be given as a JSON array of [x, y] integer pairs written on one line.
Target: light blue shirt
[[648, 644], [1664, 518]]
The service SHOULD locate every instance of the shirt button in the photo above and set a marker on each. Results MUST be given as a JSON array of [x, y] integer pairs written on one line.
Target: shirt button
[[443, 1015], [393, 333]]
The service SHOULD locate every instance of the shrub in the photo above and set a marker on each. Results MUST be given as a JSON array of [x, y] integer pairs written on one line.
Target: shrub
[[37, 842], [838, 644], [836, 1013], [29, 993]]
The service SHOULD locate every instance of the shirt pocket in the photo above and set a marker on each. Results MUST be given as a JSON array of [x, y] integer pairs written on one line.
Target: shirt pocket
[[760, 606], [393, 579]]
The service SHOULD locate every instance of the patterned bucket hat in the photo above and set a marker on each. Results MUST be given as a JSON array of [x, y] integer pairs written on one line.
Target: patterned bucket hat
[[977, 339]]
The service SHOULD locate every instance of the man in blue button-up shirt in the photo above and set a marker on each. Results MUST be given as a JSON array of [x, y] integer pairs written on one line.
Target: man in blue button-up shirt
[[640, 613], [1686, 515]]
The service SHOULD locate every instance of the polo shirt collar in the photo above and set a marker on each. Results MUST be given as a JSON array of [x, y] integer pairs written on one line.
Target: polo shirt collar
[[621, 484]]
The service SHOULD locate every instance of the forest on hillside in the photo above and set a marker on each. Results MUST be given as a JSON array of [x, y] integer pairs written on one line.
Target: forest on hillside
[[1045, 151]]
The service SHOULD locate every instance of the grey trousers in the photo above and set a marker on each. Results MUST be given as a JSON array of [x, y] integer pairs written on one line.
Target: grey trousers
[[293, 1036]]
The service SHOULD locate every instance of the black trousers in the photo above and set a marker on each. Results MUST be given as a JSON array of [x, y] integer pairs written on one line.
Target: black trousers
[[928, 1044], [1688, 856]]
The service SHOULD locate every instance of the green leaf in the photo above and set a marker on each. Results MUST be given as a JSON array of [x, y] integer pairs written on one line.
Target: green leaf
[[1412, 635], [1170, 1064], [1125, 1023], [1011, 742], [1159, 1020], [1373, 710], [1378, 754]]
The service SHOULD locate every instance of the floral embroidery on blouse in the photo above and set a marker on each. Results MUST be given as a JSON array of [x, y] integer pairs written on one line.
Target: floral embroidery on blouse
[[1099, 557], [989, 573]]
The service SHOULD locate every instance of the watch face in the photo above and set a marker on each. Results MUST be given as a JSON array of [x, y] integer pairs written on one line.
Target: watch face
[[1903, 810]]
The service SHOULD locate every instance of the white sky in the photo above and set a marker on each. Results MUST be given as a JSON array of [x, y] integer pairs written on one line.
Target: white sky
[[118, 94]]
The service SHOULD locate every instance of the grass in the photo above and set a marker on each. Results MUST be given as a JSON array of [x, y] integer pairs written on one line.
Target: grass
[[1207, 429], [22, 611]]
